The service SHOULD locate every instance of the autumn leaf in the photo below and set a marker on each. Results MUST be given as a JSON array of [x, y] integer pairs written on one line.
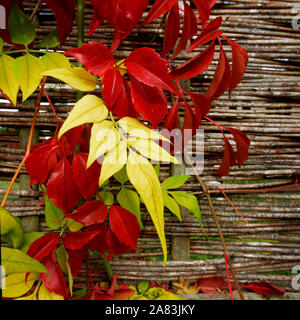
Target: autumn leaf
[[184, 287], [143, 177]]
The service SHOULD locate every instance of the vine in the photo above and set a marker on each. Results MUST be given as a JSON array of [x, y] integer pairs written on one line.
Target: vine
[[109, 136]]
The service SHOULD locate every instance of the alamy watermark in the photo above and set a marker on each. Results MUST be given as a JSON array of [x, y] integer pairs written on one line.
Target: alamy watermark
[[188, 151], [296, 279], [296, 19], [2, 18]]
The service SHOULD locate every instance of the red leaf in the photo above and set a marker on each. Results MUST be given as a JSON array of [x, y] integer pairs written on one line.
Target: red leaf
[[171, 30], [190, 125], [159, 8], [190, 28], [149, 102], [125, 226], [75, 262], [85, 180], [196, 65], [123, 292], [60, 187], [123, 106], [95, 23], [123, 15], [148, 67], [171, 121], [54, 281], [64, 12], [112, 85], [204, 7], [221, 79], [77, 240], [68, 142], [210, 32], [115, 246], [201, 105], [242, 144], [265, 288], [92, 212], [99, 242], [96, 57], [43, 246], [41, 161], [211, 285], [239, 63], [228, 159]]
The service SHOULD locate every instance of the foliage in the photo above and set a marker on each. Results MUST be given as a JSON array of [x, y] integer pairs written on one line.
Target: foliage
[[109, 136]]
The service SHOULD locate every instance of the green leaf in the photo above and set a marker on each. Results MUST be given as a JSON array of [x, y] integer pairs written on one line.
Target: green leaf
[[130, 200], [29, 238], [28, 71], [121, 176], [156, 293], [11, 228], [16, 261], [143, 286], [62, 258], [188, 201], [1, 44], [51, 40], [172, 205], [143, 177], [8, 81], [88, 109], [53, 215], [54, 60], [174, 182], [157, 169], [77, 78], [20, 28], [107, 197]]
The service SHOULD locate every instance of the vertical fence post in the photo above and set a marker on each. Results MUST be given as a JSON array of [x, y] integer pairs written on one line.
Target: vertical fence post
[[180, 246], [30, 223]]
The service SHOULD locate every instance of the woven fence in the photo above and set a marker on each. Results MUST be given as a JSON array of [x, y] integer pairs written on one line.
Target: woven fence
[[266, 106]]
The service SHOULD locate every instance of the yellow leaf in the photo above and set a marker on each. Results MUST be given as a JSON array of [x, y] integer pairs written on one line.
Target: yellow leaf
[[73, 225], [77, 78], [89, 109], [55, 60], [135, 128], [152, 150], [45, 294], [28, 71], [184, 287], [15, 286], [104, 137], [113, 162], [62, 258], [143, 177], [8, 81], [30, 297]]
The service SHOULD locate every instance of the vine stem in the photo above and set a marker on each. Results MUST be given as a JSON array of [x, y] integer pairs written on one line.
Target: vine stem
[[27, 152], [36, 8], [211, 206], [216, 220]]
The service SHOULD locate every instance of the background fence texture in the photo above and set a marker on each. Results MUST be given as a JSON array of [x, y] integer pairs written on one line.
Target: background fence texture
[[266, 106]]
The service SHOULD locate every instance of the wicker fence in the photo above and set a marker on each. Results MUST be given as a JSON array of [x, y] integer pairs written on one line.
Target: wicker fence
[[266, 106]]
